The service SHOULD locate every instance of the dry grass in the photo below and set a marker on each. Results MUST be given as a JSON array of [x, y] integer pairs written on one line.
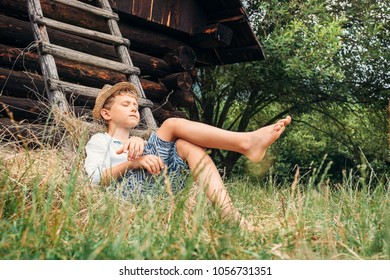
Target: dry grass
[[49, 210]]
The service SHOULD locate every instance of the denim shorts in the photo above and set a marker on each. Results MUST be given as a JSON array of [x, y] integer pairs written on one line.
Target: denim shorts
[[141, 180]]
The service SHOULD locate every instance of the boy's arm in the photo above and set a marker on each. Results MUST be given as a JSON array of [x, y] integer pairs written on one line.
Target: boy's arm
[[115, 172], [153, 164], [98, 163], [134, 147]]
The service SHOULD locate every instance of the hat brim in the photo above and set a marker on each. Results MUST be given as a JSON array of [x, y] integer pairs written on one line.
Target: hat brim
[[109, 90]]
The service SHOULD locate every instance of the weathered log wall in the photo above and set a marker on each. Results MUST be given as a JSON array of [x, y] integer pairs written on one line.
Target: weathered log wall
[[163, 61]]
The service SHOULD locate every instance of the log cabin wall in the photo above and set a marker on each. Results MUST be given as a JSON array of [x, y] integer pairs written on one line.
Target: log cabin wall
[[184, 15], [168, 39]]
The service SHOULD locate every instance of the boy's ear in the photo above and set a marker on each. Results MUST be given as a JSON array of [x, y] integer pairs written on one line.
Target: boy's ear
[[105, 114]]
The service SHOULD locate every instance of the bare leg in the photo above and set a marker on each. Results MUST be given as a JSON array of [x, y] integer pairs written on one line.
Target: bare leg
[[251, 144], [207, 176]]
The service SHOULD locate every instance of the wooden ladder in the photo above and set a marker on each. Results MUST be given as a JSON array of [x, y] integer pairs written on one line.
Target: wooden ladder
[[48, 52]]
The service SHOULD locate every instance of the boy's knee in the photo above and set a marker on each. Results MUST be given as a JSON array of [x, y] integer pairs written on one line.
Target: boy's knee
[[182, 148], [185, 148], [171, 122]]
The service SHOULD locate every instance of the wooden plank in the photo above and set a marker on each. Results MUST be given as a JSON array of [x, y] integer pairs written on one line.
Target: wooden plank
[[89, 8], [84, 32], [213, 36], [149, 65], [25, 83], [88, 59], [142, 8], [143, 39], [88, 92]]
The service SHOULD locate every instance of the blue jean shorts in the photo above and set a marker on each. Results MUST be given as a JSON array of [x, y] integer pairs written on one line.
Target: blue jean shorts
[[141, 180]]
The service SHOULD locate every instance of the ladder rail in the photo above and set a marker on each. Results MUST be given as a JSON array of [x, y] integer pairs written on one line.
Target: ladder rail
[[47, 62], [125, 58]]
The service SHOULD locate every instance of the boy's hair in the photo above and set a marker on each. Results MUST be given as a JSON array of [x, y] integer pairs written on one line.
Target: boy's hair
[[110, 100], [108, 93]]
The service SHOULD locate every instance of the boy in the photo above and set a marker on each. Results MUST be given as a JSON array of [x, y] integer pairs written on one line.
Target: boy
[[177, 145]]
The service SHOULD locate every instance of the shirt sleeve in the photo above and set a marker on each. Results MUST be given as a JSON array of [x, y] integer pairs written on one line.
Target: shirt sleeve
[[97, 159]]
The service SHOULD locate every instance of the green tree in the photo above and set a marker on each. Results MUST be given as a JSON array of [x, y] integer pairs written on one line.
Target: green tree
[[322, 57]]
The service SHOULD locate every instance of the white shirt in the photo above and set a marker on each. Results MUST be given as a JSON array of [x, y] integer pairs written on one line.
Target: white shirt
[[101, 154]]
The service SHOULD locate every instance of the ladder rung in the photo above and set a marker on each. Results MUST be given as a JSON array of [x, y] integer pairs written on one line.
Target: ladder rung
[[87, 92], [88, 33], [89, 8], [72, 55]]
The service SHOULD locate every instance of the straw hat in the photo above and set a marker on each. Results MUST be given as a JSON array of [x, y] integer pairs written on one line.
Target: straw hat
[[109, 90]]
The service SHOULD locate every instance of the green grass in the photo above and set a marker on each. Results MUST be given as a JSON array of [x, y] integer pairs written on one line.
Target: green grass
[[48, 210]]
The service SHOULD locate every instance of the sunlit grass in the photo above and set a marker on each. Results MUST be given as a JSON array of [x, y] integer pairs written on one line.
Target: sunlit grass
[[49, 210]]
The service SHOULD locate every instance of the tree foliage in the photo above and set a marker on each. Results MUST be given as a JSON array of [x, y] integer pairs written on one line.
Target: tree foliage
[[326, 65]]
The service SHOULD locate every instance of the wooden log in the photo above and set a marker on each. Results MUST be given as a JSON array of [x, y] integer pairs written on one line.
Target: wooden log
[[9, 26], [165, 104], [27, 134], [19, 82], [183, 98], [85, 74], [89, 8], [181, 81], [153, 42], [67, 70], [22, 84], [23, 108], [213, 36], [161, 115], [182, 58], [154, 91], [32, 110], [74, 72]]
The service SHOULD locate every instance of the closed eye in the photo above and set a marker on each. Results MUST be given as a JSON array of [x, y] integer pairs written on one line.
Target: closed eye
[[127, 104]]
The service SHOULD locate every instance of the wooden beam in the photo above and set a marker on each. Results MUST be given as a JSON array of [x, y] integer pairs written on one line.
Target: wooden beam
[[76, 56], [23, 108], [181, 81], [89, 8], [161, 115], [87, 93], [68, 71], [149, 65], [183, 98], [27, 84], [182, 58], [237, 14], [80, 31], [213, 36], [28, 134]]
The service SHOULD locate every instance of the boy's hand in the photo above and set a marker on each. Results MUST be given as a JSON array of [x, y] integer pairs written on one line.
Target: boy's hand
[[134, 146], [153, 164]]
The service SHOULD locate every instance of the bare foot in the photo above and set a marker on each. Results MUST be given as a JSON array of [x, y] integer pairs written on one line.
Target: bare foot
[[261, 139]]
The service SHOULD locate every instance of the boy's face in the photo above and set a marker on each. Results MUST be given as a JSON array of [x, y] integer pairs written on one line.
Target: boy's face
[[123, 112]]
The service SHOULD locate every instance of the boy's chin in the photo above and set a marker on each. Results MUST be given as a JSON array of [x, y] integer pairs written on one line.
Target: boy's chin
[[133, 125]]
